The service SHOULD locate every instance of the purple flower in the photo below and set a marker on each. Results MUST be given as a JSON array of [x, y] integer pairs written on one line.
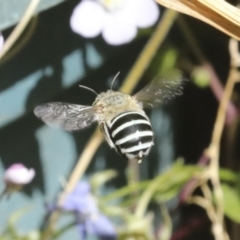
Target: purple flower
[[99, 225], [90, 220], [80, 200]]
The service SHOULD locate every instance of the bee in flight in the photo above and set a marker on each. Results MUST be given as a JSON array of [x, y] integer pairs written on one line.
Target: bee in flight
[[120, 116]]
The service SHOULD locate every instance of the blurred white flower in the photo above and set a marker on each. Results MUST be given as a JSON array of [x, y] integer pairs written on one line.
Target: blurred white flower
[[1, 41], [117, 20], [18, 175]]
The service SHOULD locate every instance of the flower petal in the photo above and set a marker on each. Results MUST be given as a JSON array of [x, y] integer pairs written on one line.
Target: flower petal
[[80, 204], [82, 231], [88, 18], [101, 226], [18, 174], [119, 28], [146, 12], [81, 200], [83, 188]]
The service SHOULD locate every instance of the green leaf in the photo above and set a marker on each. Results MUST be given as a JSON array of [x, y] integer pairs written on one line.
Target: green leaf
[[169, 59], [11, 230], [63, 229], [171, 193], [17, 215], [133, 235], [231, 202], [201, 77], [129, 202], [115, 211], [124, 191], [137, 228], [177, 175], [33, 235], [228, 175], [98, 179], [166, 228], [164, 60], [174, 177]]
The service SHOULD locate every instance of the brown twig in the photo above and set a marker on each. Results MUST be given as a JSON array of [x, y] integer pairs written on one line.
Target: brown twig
[[216, 210]]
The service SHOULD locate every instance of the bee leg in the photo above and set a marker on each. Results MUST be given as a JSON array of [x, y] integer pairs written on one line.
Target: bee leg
[[106, 134]]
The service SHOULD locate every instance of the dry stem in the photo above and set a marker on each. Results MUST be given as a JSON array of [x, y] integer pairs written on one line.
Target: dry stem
[[215, 210], [19, 28]]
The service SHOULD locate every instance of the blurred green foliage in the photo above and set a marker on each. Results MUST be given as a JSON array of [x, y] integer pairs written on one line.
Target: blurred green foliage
[[200, 76], [130, 204]]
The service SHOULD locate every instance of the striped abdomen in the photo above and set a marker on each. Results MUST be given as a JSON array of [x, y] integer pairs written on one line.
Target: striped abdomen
[[131, 134]]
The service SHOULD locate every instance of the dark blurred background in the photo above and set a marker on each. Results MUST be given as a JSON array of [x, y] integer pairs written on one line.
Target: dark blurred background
[[50, 61]]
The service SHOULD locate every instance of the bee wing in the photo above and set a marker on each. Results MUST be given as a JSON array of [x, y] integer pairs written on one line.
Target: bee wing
[[160, 90], [67, 116]]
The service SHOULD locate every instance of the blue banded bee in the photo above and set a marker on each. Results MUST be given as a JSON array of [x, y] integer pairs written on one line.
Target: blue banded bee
[[120, 116]]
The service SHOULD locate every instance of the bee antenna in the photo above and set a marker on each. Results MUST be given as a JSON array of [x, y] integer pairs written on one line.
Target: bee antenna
[[90, 89], [114, 79]]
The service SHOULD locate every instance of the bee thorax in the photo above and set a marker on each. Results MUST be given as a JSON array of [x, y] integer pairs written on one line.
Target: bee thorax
[[110, 104]]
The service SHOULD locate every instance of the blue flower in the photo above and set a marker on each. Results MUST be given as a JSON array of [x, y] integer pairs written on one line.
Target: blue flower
[[98, 225], [81, 200], [90, 220]]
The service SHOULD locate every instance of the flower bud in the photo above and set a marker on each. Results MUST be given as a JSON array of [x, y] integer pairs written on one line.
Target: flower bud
[[17, 175]]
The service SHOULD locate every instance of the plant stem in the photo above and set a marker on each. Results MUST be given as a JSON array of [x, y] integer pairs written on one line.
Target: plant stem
[[216, 211], [19, 28]]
